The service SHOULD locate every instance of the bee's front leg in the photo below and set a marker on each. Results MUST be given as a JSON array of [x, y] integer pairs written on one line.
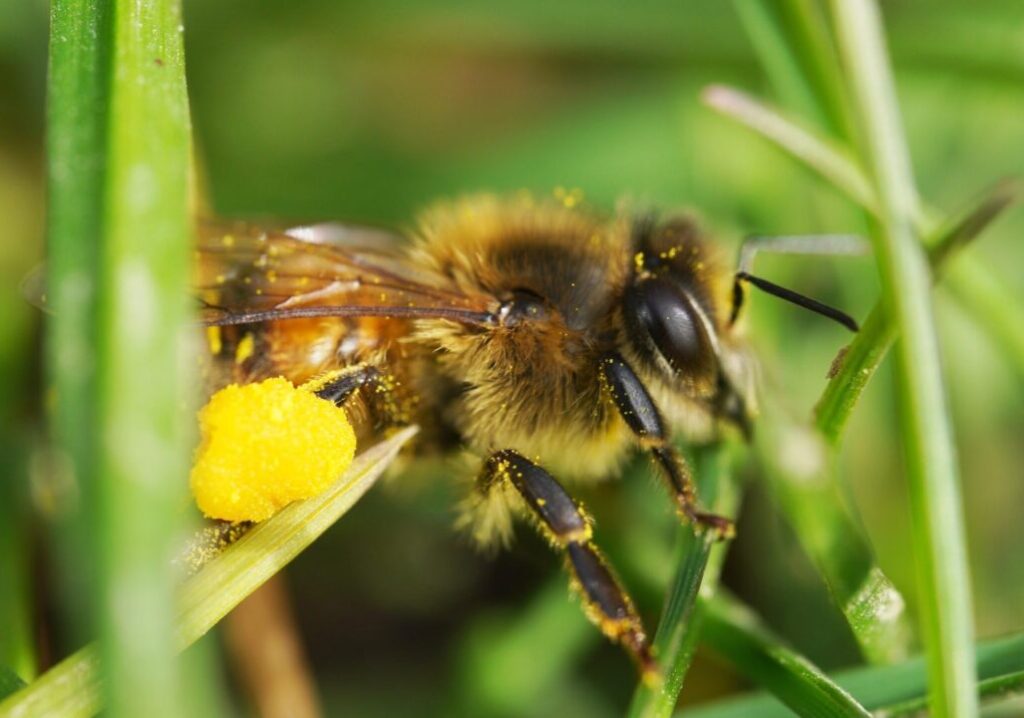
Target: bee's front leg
[[639, 412], [568, 528]]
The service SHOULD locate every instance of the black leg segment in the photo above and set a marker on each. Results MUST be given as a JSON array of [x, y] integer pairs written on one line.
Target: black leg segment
[[378, 390], [638, 410], [559, 515], [566, 526]]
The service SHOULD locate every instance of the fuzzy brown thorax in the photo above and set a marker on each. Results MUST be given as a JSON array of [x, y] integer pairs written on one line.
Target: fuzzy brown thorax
[[531, 381]]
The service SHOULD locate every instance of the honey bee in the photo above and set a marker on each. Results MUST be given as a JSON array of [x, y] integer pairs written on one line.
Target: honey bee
[[546, 339]]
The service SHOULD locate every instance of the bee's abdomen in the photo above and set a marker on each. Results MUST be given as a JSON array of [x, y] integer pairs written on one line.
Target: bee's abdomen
[[297, 349]]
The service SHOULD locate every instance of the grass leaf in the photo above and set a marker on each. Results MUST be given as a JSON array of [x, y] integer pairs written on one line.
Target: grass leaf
[[878, 332], [893, 689], [801, 467], [738, 634], [699, 558], [72, 687], [792, 41], [118, 141], [826, 157], [10, 682], [269, 546], [975, 284]]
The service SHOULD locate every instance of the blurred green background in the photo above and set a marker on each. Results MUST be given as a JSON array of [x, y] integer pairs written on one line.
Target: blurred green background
[[367, 111]]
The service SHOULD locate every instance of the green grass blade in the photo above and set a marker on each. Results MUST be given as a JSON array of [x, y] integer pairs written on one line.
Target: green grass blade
[[1000, 686], [877, 334], [699, 558], [869, 347], [892, 689], [826, 157], [801, 468], [118, 143], [738, 634], [10, 682], [72, 687], [17, 639], [270, 546], [792, 41], [76, 105], [142, 379], [943, 584], [986, 296]]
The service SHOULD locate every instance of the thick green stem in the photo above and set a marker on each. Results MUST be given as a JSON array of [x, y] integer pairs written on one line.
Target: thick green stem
[[943, 584]]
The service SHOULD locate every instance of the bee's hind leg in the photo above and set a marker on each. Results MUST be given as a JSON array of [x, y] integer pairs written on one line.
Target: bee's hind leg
[[377, 387], [640, 413], [568, 528]]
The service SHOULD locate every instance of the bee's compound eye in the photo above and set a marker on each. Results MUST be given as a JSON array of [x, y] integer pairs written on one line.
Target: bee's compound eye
[[660, 313]]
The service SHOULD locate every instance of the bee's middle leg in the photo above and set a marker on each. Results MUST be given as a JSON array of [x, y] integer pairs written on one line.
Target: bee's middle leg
[[567, 527]]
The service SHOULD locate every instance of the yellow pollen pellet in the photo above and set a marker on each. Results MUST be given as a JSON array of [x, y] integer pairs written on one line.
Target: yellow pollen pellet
[[266, 445]]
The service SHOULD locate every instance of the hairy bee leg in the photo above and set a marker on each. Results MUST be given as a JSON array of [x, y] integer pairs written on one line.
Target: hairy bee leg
[[339, 386], [568, 528], [639, 412]]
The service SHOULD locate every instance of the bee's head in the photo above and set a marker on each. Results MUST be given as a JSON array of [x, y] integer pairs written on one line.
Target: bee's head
[[671, 314]]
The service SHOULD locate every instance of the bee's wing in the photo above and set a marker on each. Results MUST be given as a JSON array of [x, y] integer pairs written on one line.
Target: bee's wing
[[355, 237], [249, 274]]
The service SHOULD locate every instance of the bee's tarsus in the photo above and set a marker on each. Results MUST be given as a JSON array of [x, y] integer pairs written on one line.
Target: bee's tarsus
[[339, 387]]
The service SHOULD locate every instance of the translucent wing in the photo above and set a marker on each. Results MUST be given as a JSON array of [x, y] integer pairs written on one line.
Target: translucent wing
[[250, 274]]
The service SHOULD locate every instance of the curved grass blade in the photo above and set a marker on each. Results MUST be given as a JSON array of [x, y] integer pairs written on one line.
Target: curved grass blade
[[72, 687], [894, 689], [792, 41], [826, 157], [10, 682], [800, 466], [270, 546], [738, 635]]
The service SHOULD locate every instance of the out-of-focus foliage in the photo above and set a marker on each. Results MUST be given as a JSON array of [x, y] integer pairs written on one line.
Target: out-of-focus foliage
[[367, 111]]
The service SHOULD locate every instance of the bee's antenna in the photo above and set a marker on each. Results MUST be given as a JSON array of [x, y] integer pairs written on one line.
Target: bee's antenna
[[825, 244], [788, 295]]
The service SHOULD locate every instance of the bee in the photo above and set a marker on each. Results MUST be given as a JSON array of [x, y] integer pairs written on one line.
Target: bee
[[548, 340]]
